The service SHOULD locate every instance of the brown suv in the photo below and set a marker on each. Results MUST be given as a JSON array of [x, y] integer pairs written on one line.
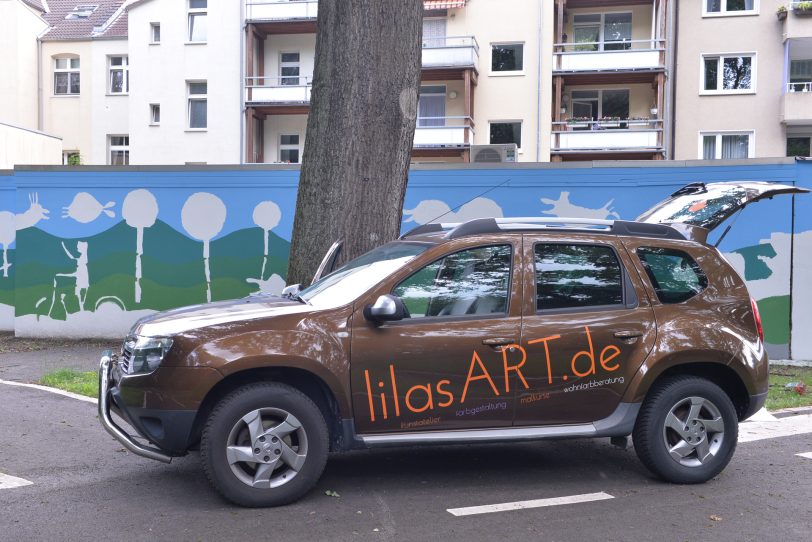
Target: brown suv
[[489, 330]]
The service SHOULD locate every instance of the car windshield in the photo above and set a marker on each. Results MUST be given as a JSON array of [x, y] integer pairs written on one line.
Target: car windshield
[[355, 277]]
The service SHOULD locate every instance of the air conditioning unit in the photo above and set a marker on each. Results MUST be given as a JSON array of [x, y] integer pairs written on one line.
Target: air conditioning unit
[[485, 154]]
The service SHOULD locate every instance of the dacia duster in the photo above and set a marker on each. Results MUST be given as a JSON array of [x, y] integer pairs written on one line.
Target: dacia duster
[[489, 330]]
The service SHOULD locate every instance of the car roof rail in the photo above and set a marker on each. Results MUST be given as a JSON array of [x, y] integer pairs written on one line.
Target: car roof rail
[[480, 226]]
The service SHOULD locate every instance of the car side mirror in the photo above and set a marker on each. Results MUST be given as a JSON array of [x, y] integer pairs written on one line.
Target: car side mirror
[[387, 308], [290, 291]]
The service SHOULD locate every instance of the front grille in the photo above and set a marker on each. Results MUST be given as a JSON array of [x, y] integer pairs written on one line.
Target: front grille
[[125, 358]]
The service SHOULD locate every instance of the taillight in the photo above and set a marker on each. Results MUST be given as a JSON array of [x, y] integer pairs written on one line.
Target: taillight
[[757, 316]]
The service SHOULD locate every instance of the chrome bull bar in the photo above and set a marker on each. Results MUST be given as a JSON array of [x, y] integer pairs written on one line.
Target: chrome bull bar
[[107, 420]]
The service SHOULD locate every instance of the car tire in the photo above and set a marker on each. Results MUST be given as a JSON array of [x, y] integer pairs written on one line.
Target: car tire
[[264, 444], [687, 430]]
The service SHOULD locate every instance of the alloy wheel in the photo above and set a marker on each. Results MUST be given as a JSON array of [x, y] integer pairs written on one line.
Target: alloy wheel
[[693, 431]]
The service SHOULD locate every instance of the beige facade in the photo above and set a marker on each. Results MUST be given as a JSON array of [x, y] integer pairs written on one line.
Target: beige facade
[[749, 111]]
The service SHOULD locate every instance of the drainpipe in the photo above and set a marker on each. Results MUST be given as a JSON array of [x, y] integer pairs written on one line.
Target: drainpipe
[[538, 86], [242, 81], [671, 81], [40, 105]]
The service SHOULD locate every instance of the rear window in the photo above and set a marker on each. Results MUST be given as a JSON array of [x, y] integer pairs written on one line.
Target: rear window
[[575, 276], [676, 277]]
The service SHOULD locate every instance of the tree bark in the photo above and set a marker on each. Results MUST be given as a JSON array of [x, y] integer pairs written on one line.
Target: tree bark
[[360, 130]]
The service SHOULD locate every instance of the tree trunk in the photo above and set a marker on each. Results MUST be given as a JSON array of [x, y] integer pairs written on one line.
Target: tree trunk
[[360, 129]]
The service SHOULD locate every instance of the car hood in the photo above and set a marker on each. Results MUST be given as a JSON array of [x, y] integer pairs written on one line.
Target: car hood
[[172, 322]]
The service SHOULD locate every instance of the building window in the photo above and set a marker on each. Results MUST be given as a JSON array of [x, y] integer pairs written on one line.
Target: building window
[[81, 12], [726, 146], [602, 31], [155, 32], [289, 69], [506, 132], [507, 57], [119, 150], [600, 104], [289, 149], [71, 158], [197, 20], [119, 75], [729, 7], [434, 32], [154, 114], [431, 106], [800, 75], [198, 107], [728, 74], [799, 146], [66, 76]]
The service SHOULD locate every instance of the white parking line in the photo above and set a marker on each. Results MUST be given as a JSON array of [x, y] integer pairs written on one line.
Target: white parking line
[[8, 482], [522, 505], [805, 455], [51, 390], [781, 427]]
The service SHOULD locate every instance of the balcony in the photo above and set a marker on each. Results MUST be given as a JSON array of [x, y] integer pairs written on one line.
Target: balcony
[[281, 10], [443, 132], [628, 55], [798, 22], [278, 90], [587, 136], [797, 106], [450, 52]]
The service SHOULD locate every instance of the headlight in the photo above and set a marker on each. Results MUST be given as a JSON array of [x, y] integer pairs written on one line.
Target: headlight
[[144, 354]]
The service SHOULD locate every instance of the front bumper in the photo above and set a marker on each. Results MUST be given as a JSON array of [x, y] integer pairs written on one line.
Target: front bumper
[[106, 419]]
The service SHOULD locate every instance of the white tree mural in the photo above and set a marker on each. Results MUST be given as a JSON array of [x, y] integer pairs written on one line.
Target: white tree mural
[[267, 216], [140, 210], [203, 216]]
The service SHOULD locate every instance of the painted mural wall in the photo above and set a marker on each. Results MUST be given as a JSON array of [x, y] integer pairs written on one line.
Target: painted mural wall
[[88, 251]]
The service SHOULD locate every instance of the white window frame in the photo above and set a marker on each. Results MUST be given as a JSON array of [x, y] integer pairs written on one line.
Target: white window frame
[[152, 110], [506, 73], [117, 148], [507, 121], [66, 154], [725, 13], [196, 97], [602, 23], [124, 67], [290, 147], [751, 142], [69, 70], [297, 64], [152, 28], [600, 92], [190, 14], [720, 73]]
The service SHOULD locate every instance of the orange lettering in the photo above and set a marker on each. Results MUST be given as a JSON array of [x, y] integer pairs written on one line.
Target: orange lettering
[[429, 402], [441, 391], [484, 376], [615, 354], [394, 389], [516, 368], [383, 405], [547, 354], [369, 396], [590, 354]]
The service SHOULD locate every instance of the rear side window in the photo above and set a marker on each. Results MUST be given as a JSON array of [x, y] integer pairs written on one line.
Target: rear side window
[[676, 277], [575, 276]]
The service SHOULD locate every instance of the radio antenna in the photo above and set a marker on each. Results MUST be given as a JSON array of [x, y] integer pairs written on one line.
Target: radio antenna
[[491, 189]]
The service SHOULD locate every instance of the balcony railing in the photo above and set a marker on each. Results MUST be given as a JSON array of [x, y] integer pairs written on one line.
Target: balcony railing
[[797, 103], [450, 52], [281, 10], [278, 90], [607, 135], [609, 56], [442, 132]]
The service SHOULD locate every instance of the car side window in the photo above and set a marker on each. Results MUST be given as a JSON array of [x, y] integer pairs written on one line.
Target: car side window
[[473, 281], [576, 276], [675, 276]]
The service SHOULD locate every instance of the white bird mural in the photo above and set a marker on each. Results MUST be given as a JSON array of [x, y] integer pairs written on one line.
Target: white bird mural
[[85, 208], [562, 207], [433, 210]]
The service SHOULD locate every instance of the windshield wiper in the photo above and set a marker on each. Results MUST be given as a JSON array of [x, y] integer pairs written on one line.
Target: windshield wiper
[[297, 297]]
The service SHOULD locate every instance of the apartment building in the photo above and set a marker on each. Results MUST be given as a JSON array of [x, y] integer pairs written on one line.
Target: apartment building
[[485, 79], [744, 79]]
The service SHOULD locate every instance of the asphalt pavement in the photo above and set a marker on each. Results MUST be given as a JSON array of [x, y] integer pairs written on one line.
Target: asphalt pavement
[[84, 486]]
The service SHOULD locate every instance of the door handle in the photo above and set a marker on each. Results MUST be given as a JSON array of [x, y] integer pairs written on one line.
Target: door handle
[[497, 341], [628, 334]]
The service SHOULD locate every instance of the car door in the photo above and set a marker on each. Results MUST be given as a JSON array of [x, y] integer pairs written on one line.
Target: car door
[[586, 330], [441, 367]]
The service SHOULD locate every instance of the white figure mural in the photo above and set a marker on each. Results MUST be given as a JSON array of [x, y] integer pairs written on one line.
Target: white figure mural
[[85, 208], [203, 216], [433, 210], [139, 210], [562, 207], [10, 223], [267, 215], [81, 275]]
